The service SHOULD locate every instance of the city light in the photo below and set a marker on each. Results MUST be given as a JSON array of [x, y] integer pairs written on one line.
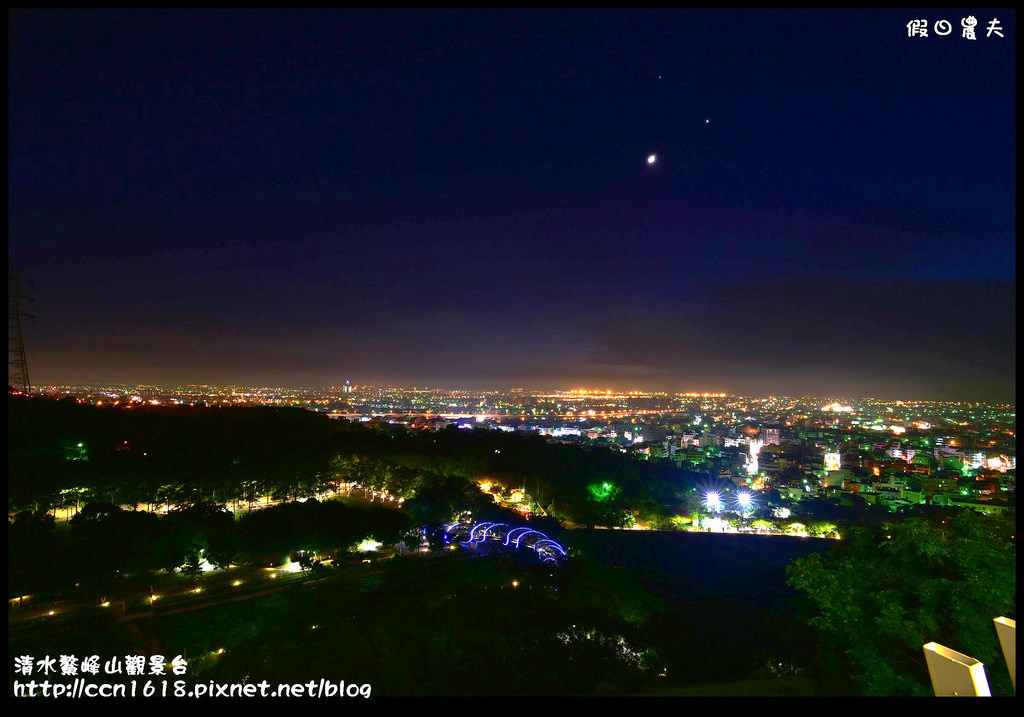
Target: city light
[[714, 525], [368, 545], [744, 500], [832, 462], [602, 491], [713, 501]]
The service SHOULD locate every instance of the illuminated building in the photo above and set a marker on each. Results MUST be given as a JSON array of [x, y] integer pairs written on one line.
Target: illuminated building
[[832, 462], [755, 448]]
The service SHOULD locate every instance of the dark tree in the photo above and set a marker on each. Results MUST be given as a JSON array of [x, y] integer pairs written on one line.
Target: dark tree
[[884, 593]]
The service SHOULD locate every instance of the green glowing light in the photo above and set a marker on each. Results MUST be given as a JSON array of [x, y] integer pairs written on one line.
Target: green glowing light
[[602, 491]]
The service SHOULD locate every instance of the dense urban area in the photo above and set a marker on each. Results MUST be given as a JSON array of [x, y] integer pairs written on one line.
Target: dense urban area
[[639, 543], [893, 454]]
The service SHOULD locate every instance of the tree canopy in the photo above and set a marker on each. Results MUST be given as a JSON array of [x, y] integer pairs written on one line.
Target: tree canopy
[[884, 593]]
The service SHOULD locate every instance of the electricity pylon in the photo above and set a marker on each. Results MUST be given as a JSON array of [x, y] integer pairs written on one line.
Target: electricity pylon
[[17, 364]]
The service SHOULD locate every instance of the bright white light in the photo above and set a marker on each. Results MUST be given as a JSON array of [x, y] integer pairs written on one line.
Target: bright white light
[[713, 501], [833, 462], [755, 448], [368, 546], [652, 159], [715, 525]]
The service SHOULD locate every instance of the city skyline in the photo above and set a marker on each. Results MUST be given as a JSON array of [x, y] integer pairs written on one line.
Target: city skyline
[[884, 390], [598, 391], [576, 404], [347, 385], [464, 198]]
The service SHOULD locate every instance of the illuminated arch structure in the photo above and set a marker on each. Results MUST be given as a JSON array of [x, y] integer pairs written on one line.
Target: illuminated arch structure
[[506, 536]]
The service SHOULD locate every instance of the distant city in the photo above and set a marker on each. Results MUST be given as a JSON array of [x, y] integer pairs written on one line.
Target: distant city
[[891, 453]]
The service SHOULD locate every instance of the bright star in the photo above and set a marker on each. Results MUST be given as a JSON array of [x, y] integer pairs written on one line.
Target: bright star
[[652, 159]]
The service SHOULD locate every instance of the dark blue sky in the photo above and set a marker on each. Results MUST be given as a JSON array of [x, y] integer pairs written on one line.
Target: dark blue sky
[[461, 198]]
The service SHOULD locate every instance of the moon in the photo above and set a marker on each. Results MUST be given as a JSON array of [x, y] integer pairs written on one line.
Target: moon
[[652, 159]]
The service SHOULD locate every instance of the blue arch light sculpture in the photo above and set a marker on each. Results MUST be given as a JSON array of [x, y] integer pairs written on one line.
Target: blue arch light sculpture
[[490, 527], [549, 543], [544, 546], [473, 531], [527, 533], [447, 531], [508, 535]]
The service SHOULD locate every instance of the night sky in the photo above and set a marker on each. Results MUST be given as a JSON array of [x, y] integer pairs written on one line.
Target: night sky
[[463, 199]]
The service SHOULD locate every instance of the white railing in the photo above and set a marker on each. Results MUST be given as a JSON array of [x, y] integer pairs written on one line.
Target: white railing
[[955, 674]]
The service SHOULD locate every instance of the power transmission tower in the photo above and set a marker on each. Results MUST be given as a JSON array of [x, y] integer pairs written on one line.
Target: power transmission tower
[[17, 364]]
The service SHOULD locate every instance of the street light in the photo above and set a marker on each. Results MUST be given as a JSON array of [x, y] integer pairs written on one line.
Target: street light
[[713, 501]]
